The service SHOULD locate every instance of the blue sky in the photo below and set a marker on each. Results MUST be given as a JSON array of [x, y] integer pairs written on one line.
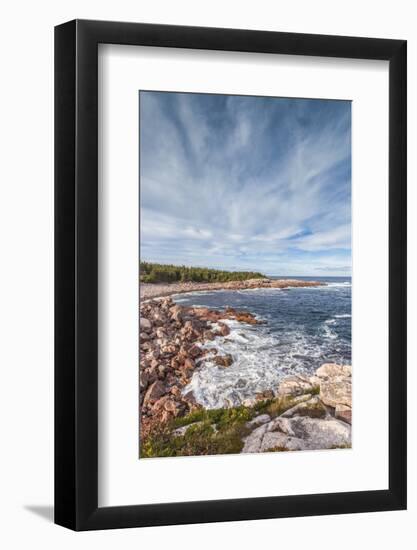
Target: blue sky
[[246, 183]]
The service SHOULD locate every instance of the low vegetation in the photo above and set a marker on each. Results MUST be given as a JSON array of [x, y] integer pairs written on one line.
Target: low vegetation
[[210, 432], [164, 273]]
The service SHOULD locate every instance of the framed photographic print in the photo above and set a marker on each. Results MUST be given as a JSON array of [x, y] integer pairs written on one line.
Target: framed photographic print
[[230, 275]]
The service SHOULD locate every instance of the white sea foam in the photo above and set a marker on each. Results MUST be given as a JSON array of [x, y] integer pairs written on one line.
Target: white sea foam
[[330, 321], [260, 361], [328, 332], [259, 290], [344, 316], [264, 354], [179, 300]]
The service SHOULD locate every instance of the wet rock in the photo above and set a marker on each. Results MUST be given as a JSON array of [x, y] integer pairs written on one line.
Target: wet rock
[[223, 360], [224, 330], [189, 396], [186, 369], [246, 318], [194, 351], [201, 311], [189, 364], [241, 316]]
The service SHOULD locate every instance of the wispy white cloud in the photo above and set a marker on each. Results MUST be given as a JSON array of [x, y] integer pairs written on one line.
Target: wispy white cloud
[[245, 183]]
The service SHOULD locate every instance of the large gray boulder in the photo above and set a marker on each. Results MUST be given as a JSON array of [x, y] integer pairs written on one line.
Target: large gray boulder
[[317, 433], [313, 422], [298, 433]]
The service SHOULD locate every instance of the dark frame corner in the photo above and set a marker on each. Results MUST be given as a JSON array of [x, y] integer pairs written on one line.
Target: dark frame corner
[[76, 364]]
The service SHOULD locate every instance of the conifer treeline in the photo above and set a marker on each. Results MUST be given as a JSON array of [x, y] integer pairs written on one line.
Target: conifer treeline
[[162, 273]]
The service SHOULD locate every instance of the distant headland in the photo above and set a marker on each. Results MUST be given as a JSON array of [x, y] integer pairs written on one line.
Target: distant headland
[[158, 280]]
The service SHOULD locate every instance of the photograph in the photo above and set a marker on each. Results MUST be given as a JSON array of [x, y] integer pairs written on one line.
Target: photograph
[[245, 274]]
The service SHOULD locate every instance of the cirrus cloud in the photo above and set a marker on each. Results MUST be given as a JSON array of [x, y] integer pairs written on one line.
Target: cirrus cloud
[[240, 182]]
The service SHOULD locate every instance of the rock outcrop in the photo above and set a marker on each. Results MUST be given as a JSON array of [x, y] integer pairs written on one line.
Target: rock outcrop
[[171, 338], [335, 384], [321, 421], [317, 411], [297, 384], [299, 433]]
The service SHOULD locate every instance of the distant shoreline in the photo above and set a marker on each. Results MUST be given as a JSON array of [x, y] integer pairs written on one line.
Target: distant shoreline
[[159, 290]]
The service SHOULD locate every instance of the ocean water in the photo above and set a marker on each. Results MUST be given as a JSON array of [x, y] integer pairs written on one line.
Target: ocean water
[[303, 328]]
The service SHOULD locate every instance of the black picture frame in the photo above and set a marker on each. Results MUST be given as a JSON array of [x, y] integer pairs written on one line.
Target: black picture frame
[[76, 272]]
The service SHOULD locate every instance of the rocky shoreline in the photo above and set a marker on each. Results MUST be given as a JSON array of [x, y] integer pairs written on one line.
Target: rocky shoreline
[[302, 413], [170, 349], [158, 290]]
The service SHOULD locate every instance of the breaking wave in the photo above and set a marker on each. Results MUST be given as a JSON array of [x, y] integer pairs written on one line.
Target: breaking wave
[[303, 329]]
